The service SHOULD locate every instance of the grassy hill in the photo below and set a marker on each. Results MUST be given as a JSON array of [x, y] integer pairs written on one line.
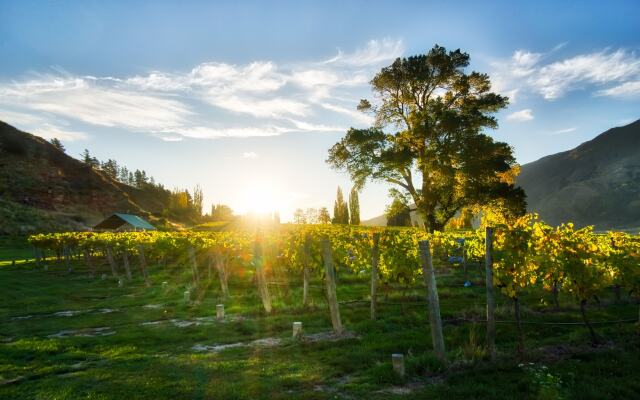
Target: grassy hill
[[43, 189], [597, 183]]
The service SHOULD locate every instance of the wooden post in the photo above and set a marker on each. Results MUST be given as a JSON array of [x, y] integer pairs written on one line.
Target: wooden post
[[222, 274], [260, 276], [330, 283], [194, 265], [220, 312], [67, 257], [491, 302], [297, 330], [374, 276], [434, 303], [397, 360], [143, 265], [87, 260], [112, 262], [305, 271], [36, 252], [209, 266], [125, 261]]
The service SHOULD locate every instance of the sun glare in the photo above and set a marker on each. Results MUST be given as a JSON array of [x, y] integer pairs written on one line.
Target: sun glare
[[262, 198]]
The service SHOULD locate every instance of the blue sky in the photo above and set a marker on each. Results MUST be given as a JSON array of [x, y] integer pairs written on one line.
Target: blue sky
[[245, 98]]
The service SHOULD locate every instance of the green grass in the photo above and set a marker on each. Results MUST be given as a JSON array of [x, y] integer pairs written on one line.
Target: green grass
[[158, 362]]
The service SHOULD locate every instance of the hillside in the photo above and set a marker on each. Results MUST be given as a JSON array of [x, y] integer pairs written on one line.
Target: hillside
[[597, 183], [42, 188]]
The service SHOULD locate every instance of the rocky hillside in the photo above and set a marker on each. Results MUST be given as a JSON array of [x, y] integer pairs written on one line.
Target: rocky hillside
[[42, 188], [597, 183]]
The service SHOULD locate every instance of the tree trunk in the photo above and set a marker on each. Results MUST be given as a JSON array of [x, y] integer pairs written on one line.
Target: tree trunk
[[516, 307], [554, 292], [583, 311], [374, 276]]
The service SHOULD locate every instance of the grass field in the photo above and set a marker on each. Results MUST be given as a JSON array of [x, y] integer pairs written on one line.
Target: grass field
[[69, 336]]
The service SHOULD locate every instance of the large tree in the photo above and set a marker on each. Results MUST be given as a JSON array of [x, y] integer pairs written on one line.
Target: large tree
[[429, 138], [340, 209]]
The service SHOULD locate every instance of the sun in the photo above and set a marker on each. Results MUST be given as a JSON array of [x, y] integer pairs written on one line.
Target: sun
[[262, 198]]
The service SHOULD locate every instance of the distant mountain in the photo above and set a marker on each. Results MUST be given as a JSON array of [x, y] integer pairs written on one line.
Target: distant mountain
[[597, 183], [42, 188]]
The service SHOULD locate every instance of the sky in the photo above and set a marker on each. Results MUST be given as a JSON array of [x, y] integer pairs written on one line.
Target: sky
[[246, 97]]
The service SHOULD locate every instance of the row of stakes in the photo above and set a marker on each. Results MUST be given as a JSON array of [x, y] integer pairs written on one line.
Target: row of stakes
[[397, 359]]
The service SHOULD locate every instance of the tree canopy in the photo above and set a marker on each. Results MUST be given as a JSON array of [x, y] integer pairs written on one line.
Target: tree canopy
[[428, 138]]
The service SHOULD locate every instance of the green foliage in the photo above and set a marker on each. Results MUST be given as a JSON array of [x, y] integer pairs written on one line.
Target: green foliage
[[354, 207], [437, 113], [340, 209]]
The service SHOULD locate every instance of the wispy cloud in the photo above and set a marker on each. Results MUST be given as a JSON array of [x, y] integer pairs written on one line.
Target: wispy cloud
[[376, 51], [210, 100], [249, 154], [565, 130], [528, 71], [521, 116]]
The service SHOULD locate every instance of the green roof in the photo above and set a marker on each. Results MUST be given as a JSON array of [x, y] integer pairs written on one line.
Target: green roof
[[117, 220]]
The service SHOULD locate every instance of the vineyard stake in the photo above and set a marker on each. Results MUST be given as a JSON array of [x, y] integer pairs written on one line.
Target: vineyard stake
[[258, 261], [220, 312], [491, 303], [397, 360], [434, 303], [194, 265], [374, 276], [305, 272], [330, 282], [112, 262], [67, 255], [87, 260], [143, 265], [125, 261], [297, 330], [222, 274]]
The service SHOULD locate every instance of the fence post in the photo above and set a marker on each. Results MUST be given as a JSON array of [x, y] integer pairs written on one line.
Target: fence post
[[434, 303], [330, 282], [491, 304], [112, 262], [143, 265], [262, 281], [374, 276]]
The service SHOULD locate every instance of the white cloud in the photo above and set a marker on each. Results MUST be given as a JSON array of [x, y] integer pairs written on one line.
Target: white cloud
[[353, 113], [526, 71], [565, 130], [210, 100], [521, 116], [627, 89], [40, 127], [249, 154], [375, 52]]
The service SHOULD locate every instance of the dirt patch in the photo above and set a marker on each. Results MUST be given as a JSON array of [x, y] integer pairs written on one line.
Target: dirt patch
[[267, 342], [89, 332], [329, 336]]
